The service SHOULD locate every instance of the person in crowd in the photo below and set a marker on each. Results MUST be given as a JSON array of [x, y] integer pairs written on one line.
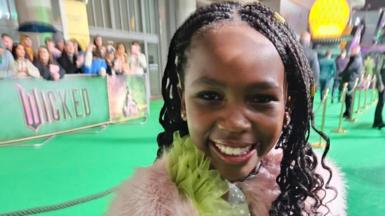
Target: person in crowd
[[351, 73], [99, 49], [121, 60], [7, 64], [60, 45], [71, 63], [77, 46], [27, 44], [137, 60], [312, 57], [58, 38], [236, 118], [110, 60], [22, 65], [50, 44], [380, 77], [110, 46], [138, 65], [94, 65], [369, 67], [47, 66], [327, 72], [341, 62], [7, 41]]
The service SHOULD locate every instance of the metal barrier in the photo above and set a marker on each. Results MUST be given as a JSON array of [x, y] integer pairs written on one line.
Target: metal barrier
[[373, 95], [352, 92], [341, 130], [320, 144], [367, 87]]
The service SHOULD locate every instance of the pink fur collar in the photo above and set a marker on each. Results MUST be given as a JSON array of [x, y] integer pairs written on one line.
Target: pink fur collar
[[151, 192]]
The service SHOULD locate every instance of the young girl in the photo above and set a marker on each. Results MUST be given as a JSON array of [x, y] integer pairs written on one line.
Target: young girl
[[94, 64], [137, 60], [121, 60], [99, 50], [49, 69], [236, 118], [23, 66]]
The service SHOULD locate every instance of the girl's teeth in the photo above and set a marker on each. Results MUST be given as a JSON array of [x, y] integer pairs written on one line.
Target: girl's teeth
[[232, 150]]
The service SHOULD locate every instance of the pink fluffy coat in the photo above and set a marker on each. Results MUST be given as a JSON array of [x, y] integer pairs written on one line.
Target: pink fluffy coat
[[150, 192]]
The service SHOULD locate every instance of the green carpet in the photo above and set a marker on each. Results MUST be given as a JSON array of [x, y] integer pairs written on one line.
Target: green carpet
[[361, 155], [75, 165]]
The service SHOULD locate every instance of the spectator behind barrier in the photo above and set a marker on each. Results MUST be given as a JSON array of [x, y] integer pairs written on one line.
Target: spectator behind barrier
[[99, 49], [48, 68], [137, 59], [7, 63], [59, 41], [22, 65], [138, 64], [69, 61], [78, 48], [121, 60], [94, 64], [7, 41], [109, 57], [50, 44], [27, 44]]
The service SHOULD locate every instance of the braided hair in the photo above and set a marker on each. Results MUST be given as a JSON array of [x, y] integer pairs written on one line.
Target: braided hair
[[297, 180]]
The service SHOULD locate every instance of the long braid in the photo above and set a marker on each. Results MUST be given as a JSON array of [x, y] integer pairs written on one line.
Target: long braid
[[170, 117], [297, 180]]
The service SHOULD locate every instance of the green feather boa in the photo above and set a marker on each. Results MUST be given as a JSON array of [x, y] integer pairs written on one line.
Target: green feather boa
[[190, 171]]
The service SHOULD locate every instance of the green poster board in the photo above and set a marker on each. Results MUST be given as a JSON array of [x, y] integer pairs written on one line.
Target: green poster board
[[33, 108]]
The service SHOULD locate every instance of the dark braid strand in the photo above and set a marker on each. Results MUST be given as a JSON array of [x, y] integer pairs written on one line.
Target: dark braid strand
[[170, 113]]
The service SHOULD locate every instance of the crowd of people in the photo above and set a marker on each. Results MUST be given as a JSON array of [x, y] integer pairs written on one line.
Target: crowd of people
[[348, 67], [59, 57]]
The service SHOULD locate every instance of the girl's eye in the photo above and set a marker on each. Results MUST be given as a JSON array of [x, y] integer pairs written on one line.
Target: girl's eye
[[261, 99], [210, 96]]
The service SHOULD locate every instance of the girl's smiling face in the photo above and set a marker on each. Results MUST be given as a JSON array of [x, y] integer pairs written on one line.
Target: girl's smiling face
[[44, 55], [234, 97], [20, 51]]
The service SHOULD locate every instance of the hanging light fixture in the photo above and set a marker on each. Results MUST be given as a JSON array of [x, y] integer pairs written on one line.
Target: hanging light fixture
[[328, 18]]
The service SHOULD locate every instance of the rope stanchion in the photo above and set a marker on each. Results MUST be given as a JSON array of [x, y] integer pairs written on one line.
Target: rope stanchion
[[353, 92], [358, 110], [60, 206], [32, 145], [320, 144], [341, 130], [373, 98], [367, 87]]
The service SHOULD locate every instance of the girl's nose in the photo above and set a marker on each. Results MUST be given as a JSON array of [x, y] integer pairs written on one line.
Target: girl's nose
[[234, 120]]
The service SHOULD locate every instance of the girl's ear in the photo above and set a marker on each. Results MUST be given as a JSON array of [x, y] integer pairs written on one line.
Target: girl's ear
[[286, 119], [182, 105], [287, 115], [289, 103]]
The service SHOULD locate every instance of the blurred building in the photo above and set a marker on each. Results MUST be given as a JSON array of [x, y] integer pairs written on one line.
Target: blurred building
[[146, 21]]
